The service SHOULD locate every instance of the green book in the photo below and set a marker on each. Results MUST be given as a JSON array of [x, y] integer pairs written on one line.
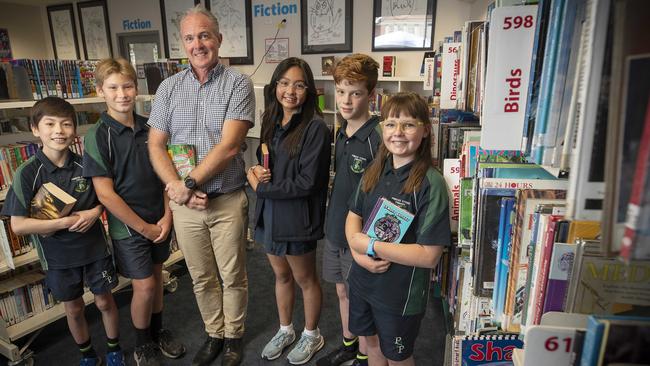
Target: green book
[[184, 158]]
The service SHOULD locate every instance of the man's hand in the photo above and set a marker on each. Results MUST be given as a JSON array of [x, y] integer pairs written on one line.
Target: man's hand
[[85, 220], [177, 192], [165, 225], [198, 201]]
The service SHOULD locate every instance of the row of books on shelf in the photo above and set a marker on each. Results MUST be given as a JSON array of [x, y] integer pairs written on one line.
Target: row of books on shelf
[[12, 245], [24, 296], [31, 79]]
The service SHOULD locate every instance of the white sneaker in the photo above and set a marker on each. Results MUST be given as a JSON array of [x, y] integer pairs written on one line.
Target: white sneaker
[[305, 349], [277, 344]]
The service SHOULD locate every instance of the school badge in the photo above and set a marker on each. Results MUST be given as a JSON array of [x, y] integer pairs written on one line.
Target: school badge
[[80, 184], [357, 164]]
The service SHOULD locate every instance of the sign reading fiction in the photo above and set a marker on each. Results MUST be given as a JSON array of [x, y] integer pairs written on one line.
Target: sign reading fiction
[[261, 10], [136, 24]]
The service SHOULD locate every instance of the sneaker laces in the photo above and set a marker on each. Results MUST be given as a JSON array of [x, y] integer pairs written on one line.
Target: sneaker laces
[[304, 343], [148, 350], [279, 338]]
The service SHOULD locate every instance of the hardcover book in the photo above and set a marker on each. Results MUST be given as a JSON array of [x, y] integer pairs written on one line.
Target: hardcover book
[[388, 222], [327, 65], [389, 66], [51, 202], [266, 156], [184, 158]]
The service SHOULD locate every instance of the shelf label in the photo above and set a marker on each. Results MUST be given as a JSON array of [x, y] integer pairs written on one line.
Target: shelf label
[[548, 345], [510, 50], [450, 75]]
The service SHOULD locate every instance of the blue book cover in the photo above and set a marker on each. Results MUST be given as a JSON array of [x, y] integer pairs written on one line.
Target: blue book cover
[[547, 80], [503, 257], [489, 349], [388, 222], [596, 329]]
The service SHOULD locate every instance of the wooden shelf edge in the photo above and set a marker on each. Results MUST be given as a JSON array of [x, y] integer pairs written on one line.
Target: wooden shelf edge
[[21, 260]]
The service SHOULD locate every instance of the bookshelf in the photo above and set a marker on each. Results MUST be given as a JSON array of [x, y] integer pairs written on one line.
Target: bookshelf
[[33, 324]]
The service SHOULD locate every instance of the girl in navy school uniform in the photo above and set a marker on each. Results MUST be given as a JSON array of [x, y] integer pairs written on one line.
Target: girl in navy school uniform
[[291, 198], [389, 282]]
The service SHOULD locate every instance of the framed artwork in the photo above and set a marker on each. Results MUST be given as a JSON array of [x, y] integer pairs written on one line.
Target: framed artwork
[[278, 50], [171, 13], [403, 25], [235, 25], [63, 31], [326, 26], [95, 30]]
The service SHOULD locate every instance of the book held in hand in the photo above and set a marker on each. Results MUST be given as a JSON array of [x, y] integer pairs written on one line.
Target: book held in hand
[[51, 202], [387, 222], [266, 156], [184, 158]]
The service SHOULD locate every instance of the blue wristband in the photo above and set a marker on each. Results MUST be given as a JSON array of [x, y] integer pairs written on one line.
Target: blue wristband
[[370, 251]]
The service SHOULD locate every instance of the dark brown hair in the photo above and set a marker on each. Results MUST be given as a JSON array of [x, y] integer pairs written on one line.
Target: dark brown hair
[[357, 68], [412, 104], [273, 112], [52, 106]]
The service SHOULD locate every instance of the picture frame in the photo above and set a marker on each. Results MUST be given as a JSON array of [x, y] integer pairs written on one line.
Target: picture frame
[[236, 27], [95, 30], [326, 26], [403, 25], [63, 31], [171, 12], [278, 50]]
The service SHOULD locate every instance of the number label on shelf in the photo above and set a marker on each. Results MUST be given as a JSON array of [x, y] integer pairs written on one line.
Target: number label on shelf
[[510, 53], [548, 345]]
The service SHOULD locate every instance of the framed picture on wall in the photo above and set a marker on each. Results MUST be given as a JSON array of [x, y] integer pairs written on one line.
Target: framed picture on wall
[[171, 12], [326, 26], [95, 30], [278, 50], [403, 25], [63, 32], [236, 26]]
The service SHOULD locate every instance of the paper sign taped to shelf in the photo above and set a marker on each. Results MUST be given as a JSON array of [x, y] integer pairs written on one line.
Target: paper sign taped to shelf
[[512, 33], [450, 75], [429, 73]]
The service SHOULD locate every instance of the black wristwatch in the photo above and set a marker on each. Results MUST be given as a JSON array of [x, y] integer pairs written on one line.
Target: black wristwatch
[[190, 183]]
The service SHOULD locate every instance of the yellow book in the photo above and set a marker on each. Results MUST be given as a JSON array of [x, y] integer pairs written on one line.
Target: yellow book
[[51, 202]]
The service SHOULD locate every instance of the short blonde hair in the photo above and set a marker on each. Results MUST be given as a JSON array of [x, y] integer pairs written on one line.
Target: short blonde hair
[[110, 66]]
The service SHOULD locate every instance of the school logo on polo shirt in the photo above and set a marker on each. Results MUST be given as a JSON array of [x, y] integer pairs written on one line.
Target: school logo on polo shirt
[[357, 164], [80, 184]]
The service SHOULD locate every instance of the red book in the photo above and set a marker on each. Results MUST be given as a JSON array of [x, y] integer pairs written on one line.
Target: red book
[[265, 155], [542, 273]]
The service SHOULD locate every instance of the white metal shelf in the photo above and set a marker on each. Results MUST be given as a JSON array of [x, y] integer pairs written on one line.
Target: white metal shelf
[[76, 101]]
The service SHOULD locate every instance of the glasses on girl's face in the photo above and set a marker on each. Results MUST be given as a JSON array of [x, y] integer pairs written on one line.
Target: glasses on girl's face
[[409, 127], [299, 85]]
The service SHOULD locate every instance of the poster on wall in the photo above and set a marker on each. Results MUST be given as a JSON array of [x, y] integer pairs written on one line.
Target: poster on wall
[[95, 33], [278, 50], [172, 11], [235, 25], [5, 46], [403, 25], [63, 31], [326, 26]]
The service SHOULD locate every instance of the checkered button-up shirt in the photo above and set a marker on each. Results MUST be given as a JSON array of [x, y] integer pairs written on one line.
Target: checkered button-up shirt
[[194, 113]]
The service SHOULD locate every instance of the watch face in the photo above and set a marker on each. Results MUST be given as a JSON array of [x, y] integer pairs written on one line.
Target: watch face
[[190, 183]]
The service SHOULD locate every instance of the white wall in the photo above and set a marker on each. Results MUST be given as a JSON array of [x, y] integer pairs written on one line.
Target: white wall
[[27, 36], [30, 34]]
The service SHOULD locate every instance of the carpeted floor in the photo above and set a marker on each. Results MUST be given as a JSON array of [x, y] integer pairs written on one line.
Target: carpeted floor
[[54, 346]]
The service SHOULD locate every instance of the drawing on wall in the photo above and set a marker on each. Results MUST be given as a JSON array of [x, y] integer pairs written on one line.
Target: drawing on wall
[[5, 45], [325, 22], [278, 49], [400, 25], [326, 26], [235, 26], [63, 32], [95, 33], [172, 12]]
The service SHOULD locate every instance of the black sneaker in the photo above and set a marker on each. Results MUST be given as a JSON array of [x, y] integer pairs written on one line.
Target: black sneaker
[[146, 355], [339, 356], [232, 352], [169, 346]]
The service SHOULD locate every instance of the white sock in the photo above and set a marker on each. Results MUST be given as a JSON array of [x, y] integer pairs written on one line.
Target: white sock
[[312, 333], [287, 328]]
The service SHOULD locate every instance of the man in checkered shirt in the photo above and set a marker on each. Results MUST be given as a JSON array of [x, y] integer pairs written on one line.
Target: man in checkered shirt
[[211, 107]]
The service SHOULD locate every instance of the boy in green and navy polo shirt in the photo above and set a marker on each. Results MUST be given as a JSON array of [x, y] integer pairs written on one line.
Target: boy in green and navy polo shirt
[[357, 142], [139, 219], [74, 247], [389, 282]]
